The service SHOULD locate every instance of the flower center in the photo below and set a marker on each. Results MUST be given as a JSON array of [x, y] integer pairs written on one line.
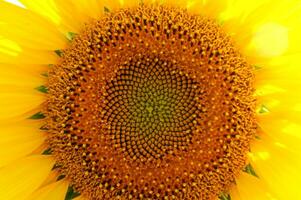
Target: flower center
[[151, 103], [150, 108]]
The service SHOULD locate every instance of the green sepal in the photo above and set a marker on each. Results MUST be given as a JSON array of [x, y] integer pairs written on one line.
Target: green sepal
[[221, 22], [71, 35], [44, 128], [225, 196], [45, 74], [71, 193], [60, 177], [257, 137], [257, 67], [56, 166], [250, 170], [38, 115], [59, 52], [263, 109], [42, 89], [47, 152], [106, 9]]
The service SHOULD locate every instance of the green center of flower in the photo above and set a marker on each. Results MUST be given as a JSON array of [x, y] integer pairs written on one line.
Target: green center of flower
[[151, 103]]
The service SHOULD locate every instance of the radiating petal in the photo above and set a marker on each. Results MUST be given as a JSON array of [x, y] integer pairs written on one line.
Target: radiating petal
[[18, 139], [54, 191], [20, 178], [27, 29], [67, 15], [18, 90], [250, 188], [278, 166], [51, 178]]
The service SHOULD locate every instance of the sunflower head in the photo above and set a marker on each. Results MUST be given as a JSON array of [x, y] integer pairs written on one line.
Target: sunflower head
[[148, 100], [151, 96]]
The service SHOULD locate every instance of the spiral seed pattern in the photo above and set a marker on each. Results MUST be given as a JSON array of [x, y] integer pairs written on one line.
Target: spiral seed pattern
[[151, 108], [151, 103]]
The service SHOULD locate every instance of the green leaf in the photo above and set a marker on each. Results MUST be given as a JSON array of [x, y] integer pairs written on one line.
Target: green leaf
[[38, 115], [225, 196], [71, 194], [250, 170], [42, 89], [106, 9], [70, 36], [47, 152], [59, 52]]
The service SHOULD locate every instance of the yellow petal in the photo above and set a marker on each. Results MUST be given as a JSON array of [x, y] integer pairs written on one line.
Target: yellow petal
[[240, 9], [16, 2], [51, 178], [18, 139], [278, 166], [54, 191], [251, 188], [22, 177], [261, 34], [113, 5], [281, 71], [271, 39], [90, 8], [18, 95], [127, 3], [234, 193], [26, 37], [18, 104], [211, 8], [46, 8], [28, 29], [65, 14], [29, 56], [20, 77]]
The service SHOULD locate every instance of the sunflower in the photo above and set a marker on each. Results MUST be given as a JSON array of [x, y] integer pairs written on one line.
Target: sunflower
[[129, 99]]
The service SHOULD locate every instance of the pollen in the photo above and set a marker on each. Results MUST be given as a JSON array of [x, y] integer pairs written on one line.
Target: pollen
[[151, 103]]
